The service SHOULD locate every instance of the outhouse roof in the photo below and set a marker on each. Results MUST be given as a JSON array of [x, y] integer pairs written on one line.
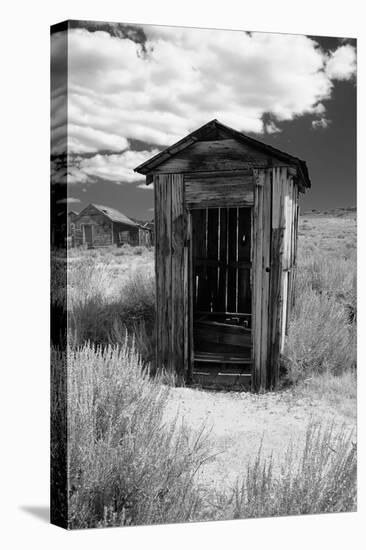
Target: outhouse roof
[[204, 131]]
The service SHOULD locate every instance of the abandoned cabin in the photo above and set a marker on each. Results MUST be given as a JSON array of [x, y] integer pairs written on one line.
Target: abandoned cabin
[[97, 226], [226, 220]]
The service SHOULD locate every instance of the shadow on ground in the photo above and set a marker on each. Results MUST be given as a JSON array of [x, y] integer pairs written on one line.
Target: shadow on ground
[[40, 512]]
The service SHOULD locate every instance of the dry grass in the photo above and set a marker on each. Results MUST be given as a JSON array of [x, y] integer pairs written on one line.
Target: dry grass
[[126, 466], [106, 299], [336, 392], [322, 332], [320, 478]]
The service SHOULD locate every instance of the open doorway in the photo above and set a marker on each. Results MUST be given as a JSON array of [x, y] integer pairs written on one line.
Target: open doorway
[[88, 234], [221, 284]]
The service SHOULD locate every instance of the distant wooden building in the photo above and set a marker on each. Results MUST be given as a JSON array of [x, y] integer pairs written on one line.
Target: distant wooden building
[[98, 225], [71, 217], [226, 218], [147, 235]]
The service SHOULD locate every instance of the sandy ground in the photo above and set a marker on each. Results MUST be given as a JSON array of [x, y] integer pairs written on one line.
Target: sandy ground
[[237, 422]]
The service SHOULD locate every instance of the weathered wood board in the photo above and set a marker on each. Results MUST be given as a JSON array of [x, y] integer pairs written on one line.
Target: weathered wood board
[[171, 270], [211, 155], [224, 191]]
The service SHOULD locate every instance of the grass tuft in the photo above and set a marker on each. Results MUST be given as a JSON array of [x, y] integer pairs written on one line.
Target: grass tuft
[[323, 478]]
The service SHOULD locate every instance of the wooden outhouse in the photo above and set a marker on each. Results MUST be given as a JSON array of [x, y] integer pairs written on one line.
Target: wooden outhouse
[[226, 218]]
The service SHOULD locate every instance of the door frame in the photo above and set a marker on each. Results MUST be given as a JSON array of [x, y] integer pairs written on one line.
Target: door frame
[[190, 274], [91, 231]]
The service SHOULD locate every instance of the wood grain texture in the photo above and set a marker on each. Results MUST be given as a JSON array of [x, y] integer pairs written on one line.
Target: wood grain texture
[[163, 270], [275, 290], [178, 297], [211, 155], [220, 176], [228, 191], [266, 250], [188, 301], [257, 277], [172, 277]]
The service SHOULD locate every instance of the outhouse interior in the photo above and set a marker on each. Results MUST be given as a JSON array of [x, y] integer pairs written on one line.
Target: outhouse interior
[[226, 217]]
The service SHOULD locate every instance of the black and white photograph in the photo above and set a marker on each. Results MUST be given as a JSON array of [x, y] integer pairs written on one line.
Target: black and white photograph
[[203, 274]]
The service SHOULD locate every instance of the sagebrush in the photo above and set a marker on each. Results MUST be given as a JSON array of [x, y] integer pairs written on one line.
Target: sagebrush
[[126, 467]]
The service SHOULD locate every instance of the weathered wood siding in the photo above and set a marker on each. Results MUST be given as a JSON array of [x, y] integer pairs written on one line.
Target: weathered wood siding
[[216, 155], [104, 231], [279, 176], [260, 276], [171, 259], [274, 268], [290, 250], [125, 234], [225, 190], [214, 174], [101, 227], [144, 237]]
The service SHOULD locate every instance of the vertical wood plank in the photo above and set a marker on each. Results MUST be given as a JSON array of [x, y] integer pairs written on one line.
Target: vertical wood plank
[[231, 241], [178, 231], [159, 194], [284, 308], [201, 295], [212, 243], [244, 254], [266, 250], [285, 188], [257, 276], [171, 269], [290, 224], [222, 257], [188, 301], [296, 230], [275, 300]]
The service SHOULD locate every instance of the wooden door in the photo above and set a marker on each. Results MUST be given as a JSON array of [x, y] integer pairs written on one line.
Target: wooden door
[[88, 234]]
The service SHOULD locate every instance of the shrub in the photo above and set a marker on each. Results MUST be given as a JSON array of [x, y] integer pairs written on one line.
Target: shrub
[[322, 479], [126, 466], [322, 332], [320, 338], [99, 318]]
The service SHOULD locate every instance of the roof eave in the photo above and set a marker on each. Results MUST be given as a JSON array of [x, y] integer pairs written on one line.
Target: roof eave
[[148, 166]]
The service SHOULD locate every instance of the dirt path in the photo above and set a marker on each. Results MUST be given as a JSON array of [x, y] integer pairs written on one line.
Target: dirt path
[[238, 421]]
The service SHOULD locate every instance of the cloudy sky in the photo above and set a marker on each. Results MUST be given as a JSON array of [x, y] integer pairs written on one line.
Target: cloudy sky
[[133, 90]]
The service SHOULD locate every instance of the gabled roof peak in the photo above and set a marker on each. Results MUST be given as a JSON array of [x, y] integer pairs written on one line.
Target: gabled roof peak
[[207, 129], [112, 214]]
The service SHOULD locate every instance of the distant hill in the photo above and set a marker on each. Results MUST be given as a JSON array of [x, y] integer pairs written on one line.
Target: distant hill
[[335, 212]]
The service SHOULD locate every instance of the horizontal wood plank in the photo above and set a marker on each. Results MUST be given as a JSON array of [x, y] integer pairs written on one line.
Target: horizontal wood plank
[[223, 154], [228, 191]]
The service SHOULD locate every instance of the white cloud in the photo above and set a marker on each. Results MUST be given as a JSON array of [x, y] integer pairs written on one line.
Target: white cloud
[[117, 92], [320, 123], [271, 128], [117, 168], [69, 200], [149, 187], [84, 139], [341, 64]]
